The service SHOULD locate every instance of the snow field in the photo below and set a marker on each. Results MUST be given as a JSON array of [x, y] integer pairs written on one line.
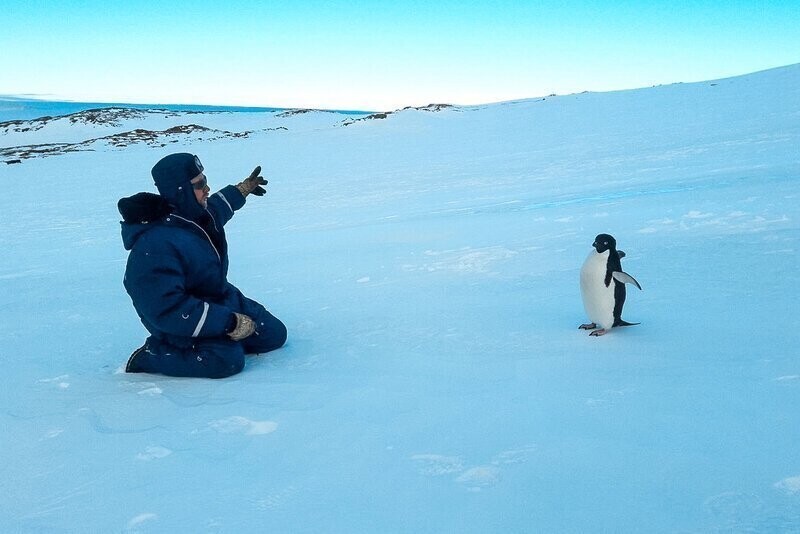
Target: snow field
[[426, 266]]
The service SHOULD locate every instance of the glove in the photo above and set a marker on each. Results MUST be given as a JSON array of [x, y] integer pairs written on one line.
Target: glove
[[252, 184], [245, 327]]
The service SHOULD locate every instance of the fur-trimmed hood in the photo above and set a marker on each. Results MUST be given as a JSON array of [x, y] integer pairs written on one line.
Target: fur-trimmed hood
[[139, 211]]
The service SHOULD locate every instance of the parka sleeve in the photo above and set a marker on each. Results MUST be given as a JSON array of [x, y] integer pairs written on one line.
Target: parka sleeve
[[224, 203], [155, 282]]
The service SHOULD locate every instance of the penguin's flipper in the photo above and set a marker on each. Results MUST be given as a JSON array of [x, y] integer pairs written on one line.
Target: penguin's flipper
[[625, 278], [621, 254]]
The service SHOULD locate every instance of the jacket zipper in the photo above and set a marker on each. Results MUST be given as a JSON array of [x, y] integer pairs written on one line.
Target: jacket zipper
[[204, 233]]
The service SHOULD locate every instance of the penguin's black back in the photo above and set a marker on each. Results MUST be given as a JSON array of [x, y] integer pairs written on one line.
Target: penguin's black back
[[619, 301], [614, 264]]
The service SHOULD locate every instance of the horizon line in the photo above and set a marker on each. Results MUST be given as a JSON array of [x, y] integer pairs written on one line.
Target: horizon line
[[37, 97]]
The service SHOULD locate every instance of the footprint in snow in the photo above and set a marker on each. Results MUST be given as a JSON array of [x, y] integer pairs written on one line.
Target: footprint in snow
[[241, 425], [473, 478], [153, 453], [147, 389]]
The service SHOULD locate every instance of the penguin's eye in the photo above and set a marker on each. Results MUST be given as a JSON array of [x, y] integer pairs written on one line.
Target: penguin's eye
[[605, 242]]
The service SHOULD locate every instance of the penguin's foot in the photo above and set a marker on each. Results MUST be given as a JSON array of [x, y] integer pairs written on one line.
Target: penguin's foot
[[600, 332], [587, 326]]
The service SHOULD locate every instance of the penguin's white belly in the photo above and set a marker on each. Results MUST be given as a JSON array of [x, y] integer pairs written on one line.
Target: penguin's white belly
[[598, 300]]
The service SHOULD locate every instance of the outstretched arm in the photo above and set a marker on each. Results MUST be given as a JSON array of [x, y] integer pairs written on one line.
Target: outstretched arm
[[227, 200], [224, 203]]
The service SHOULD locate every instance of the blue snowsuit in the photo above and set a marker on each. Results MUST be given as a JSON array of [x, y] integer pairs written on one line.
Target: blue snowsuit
[[176, 277]]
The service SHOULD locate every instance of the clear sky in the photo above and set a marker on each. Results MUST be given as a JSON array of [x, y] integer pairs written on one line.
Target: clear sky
[[379, 55]]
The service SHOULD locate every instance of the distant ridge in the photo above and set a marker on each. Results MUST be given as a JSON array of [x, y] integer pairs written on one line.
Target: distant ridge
[[119, 127], [18, 108]]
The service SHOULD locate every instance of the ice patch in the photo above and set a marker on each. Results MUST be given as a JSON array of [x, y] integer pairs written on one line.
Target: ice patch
[[787, 378], [480, 476], [153, 453], [363, 280], [60, 378], [152, 392], [276, 500], [608, 398], [513, 456], [56, 379], [60, 381], [789, 485], [25, 274], [436, 465], [50, 434], [242, 425], [694, 214], [141, 518]]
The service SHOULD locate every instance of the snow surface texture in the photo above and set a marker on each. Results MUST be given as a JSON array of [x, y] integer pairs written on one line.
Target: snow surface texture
[[426, 265]]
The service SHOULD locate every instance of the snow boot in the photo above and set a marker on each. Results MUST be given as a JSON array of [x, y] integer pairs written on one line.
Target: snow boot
[[133, 366]]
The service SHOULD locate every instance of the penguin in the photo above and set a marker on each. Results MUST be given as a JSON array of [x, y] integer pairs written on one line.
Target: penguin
[[603, 286]]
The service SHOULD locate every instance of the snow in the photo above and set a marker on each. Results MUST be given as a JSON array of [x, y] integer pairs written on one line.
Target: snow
[[426, 266]]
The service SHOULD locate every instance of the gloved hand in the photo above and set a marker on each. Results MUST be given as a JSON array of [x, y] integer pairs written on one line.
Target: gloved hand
[[245, 326], [252, 184]]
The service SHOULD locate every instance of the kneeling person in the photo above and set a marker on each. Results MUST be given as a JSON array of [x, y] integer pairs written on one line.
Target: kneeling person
[[200, 324]]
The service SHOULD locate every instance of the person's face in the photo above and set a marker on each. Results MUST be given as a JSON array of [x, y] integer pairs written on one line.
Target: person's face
[[201, 189]]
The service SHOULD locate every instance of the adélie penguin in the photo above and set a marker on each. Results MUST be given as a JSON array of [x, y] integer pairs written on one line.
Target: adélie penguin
[[603, 286]]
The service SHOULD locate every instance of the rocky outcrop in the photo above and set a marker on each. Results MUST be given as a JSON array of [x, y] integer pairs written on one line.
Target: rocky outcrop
[[121, 140], [293, 112], [100, 117]]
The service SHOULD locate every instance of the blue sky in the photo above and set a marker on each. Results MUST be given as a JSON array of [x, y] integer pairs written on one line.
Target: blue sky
[[379, 55]]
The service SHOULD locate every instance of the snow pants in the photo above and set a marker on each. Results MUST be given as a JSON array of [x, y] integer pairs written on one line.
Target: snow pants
[[210, 357]]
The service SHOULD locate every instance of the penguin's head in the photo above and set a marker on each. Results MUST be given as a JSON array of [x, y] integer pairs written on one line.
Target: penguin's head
[[604, 242]]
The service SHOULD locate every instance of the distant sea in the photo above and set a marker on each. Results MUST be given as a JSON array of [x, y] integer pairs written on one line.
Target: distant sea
[[14, 108]]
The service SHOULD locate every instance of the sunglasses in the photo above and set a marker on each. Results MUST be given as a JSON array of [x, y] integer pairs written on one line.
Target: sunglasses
[[201, 184]]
